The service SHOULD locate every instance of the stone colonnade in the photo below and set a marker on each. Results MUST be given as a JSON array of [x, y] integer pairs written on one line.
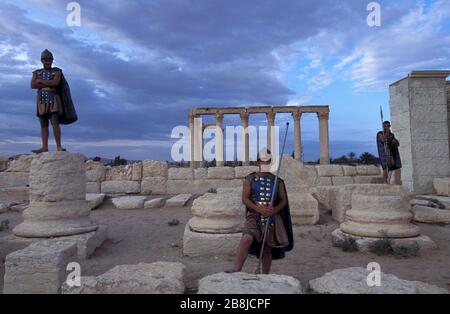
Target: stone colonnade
[[197, 129]]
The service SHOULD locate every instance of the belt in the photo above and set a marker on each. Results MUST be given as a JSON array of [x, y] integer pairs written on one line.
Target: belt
[[263, 203], [48, 89]]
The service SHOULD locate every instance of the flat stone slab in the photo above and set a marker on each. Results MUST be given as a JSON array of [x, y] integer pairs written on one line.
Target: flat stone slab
[[431, 215], [442, 202], [3, 208], [209, 244], [354, 281], [86, 243], [179, 200], [154, 203], [154, 278], [243, 283], [363, 244], [40, 268], [129, 202], [117, 187], [94, 200]]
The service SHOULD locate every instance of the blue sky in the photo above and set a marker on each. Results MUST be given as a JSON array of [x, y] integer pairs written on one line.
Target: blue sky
[[137, 67]]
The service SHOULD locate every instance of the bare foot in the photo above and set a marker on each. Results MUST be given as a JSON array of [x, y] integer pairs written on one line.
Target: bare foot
[[231, 270]]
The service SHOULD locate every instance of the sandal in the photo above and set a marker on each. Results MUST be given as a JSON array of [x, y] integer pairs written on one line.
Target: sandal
[[39, 151], [61, 150]]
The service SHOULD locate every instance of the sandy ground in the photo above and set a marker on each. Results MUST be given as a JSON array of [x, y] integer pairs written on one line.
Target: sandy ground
[[144, 236]]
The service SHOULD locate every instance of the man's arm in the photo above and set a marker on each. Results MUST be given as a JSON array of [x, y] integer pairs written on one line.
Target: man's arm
[[53, 83], [35, 83]]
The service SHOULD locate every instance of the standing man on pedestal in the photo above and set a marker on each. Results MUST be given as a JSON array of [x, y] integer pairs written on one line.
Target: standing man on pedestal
[[53, 102], [388, 153]]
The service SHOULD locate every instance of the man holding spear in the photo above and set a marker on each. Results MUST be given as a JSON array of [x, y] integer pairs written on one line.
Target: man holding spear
[[388, 152], [268, 228]]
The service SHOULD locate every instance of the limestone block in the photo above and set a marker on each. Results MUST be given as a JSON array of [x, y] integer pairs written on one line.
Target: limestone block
[[349, 170], [244, 283], [218, 213], [304, 209], [87, 243], [154, 185], [330, 170], [209, 244], [136, 171], [153, 168], [368, 170], [16, 193], [365, 244], [179, 200], [129, 202], [354, 281], [143, 278], [431, 215], [368, 179], [3, 163], [242, 172], [3, 208], [13, 179], [96, 172], [18, 207], [94, 199], [181, 174], [442, 186], [324, 181], [119, 173], [201, 173], [93, 187], [183, 186], [342, 180], [40, 268], [155, 203], [119, 187], [20, 164], [220, 173]]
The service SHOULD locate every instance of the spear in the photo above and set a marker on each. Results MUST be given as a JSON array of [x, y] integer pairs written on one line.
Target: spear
[[275, 190]]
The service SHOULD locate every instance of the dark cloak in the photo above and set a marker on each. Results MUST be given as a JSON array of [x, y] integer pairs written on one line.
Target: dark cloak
[[278, 253], [69, 114], [384, 157]]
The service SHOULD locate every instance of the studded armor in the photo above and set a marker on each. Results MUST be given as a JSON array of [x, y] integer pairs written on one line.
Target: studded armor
[[262, 187], [46, 95]]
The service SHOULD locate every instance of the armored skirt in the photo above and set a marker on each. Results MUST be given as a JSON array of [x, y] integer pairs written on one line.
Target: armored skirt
[[48, 102]]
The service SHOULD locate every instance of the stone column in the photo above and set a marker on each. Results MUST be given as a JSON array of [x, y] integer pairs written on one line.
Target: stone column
[[58, 204], [245, 139], [270, 129], [191, 140], [198, 141], [324, 138], [297, 136], [219, 140]]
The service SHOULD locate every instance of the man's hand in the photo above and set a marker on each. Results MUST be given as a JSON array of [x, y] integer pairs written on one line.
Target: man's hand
[[266, 211]]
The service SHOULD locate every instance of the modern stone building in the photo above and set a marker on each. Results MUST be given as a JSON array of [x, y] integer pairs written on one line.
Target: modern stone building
[[420, 119]]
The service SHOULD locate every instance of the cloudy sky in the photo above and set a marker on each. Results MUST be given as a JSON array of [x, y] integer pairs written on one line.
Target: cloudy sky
[[137, 67]]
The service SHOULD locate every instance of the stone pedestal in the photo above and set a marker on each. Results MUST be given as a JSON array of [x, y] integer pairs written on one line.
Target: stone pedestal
[[58, 204], [216, 226], [381, 212], [378, 215]]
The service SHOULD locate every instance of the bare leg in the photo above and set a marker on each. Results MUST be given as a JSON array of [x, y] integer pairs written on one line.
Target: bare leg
[[398, 177], [267, 260], [241, 253], [385, 176], [57, 134], [44, 138]]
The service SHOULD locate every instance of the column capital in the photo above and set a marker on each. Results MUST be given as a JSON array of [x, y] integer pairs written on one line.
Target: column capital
[[192, 115], [297, 115], [271, 117], [244, 115], [323, 115], [219, 117]]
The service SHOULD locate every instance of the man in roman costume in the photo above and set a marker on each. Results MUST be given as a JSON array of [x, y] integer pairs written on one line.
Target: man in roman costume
[[388, 153], [53, 102], [256, 196]]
